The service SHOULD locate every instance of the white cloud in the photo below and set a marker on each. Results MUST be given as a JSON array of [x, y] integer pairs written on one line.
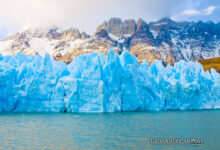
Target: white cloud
[[86, 15], [191, 12], [83, 14], [35, 12], [209, 10], [173, 17]]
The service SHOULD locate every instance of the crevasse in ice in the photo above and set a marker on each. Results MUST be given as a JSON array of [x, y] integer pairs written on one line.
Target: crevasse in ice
[[92, 83]]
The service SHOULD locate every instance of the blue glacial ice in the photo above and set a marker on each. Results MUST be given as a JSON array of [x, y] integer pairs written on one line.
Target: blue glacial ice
[[92, 83]]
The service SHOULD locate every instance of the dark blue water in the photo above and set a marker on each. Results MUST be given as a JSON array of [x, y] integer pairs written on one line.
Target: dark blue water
[[109, 130]]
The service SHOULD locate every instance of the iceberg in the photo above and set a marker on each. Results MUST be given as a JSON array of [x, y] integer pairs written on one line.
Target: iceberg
[[93, 83]]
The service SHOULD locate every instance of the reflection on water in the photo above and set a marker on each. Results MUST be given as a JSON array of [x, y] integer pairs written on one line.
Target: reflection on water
[[131, 130]]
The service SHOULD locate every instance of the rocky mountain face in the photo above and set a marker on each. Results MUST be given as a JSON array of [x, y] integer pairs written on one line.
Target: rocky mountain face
[[165, 39]]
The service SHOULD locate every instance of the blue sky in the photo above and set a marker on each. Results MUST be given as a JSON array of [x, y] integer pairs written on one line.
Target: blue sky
[[86, 15]]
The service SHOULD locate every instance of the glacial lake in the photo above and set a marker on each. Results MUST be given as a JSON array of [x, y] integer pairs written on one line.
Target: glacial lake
[[128, 130]]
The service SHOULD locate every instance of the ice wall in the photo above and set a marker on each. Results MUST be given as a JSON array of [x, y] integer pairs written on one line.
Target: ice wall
[[92, 83]]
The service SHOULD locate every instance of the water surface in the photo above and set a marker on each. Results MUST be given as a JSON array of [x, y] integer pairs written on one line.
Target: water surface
[[131, 130]]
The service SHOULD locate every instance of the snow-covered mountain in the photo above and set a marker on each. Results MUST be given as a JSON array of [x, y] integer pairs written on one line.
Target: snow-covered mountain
[[165, 39]]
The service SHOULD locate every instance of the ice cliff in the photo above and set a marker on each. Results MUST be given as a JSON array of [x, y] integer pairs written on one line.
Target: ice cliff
[[92, 83]]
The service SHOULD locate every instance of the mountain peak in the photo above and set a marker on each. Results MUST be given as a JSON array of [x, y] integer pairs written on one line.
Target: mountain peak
[[165, 19], [141, 24], [163, 22], [164, 39], [117, 27]]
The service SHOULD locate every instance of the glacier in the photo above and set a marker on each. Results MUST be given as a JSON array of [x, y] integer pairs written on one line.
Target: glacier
[[98, 83]]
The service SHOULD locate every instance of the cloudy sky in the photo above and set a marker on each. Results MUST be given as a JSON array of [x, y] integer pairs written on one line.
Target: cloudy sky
[[86, 15]]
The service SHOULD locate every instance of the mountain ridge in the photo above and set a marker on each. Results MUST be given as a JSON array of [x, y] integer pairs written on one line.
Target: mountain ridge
[[164, 39]]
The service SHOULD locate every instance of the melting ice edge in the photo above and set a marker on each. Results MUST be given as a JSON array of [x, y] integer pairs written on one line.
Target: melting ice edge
[[92, 83]]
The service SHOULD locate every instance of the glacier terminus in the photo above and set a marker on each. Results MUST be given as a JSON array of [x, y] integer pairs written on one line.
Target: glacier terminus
[[98, 83]]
